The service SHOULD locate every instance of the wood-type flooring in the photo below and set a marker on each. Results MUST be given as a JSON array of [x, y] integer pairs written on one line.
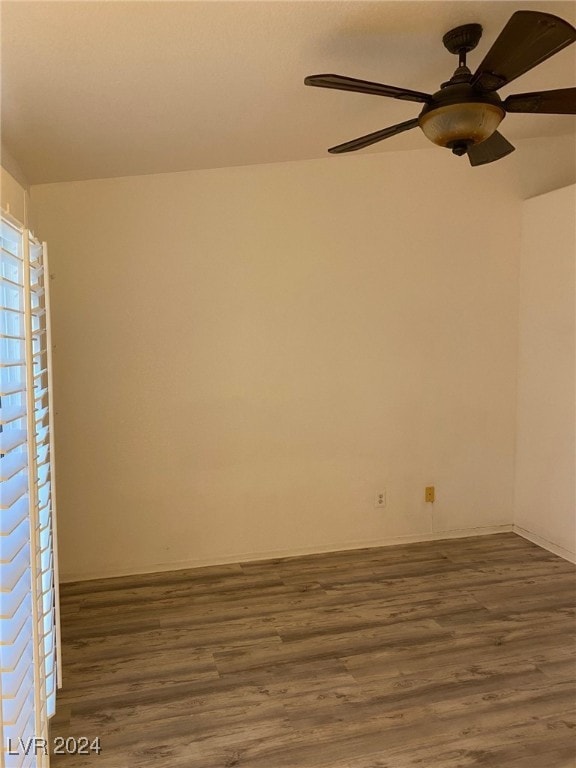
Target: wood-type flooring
[[449, 654]]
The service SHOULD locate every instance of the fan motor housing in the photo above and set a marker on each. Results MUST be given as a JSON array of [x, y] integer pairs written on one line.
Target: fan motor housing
[[458, 116]]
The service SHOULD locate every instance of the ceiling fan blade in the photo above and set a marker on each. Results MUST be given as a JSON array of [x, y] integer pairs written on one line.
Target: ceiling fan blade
[[492, 149], [342, 83], [559, 102], [372, 138], [529, 38]]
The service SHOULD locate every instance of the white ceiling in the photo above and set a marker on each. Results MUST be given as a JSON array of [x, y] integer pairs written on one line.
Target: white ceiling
[[102, 89]]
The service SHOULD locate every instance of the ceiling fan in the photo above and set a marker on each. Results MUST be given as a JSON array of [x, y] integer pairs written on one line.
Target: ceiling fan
[[465, 113]]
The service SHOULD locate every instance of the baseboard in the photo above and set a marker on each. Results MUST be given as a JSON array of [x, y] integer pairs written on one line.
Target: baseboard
[[545, 544], [177, 565]]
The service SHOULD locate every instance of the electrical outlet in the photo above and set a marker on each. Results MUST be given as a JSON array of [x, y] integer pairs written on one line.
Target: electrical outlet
[[430, 494], [380, 499]]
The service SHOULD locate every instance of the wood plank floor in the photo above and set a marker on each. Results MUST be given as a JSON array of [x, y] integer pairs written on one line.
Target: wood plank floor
[[447, 654]]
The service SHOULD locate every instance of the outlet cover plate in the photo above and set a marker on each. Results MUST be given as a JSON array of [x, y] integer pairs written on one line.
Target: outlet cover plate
[[380, 499]]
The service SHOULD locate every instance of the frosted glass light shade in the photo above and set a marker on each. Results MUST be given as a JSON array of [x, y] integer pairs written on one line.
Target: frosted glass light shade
[[472, 122]]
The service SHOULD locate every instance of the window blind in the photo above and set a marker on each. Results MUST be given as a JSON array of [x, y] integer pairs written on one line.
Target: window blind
[[29, 622]]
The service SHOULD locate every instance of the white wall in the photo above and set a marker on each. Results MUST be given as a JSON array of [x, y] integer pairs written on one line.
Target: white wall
[[245, 356], [13, 195], [545, 496], [544, 164]]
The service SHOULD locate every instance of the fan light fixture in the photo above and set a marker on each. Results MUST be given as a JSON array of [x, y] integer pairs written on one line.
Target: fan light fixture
[[457, 126], [458, 116]]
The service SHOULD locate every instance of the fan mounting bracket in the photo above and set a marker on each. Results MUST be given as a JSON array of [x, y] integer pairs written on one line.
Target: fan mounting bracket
[[462, 39]]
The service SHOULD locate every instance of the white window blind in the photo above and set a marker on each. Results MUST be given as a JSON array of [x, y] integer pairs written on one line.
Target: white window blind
[[29, 621]]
